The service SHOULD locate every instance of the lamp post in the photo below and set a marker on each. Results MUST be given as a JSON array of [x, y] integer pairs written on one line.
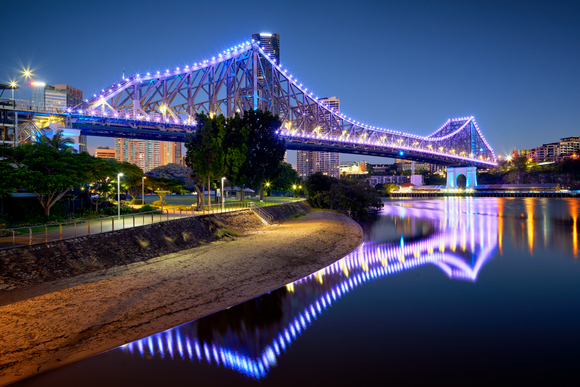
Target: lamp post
[[119, 195], [13, 86], [267, 188], [294, 189], [143, 191], [223, 197]]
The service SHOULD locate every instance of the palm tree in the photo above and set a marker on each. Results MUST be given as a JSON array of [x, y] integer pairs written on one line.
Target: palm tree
[[58, 141]]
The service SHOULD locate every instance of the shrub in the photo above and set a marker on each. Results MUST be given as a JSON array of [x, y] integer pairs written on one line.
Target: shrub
[[354, 196], [158, 203], [147, 208], [136, 202]]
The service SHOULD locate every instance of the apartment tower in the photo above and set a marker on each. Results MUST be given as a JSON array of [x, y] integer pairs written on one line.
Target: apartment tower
[[310, 162], [147, 154]]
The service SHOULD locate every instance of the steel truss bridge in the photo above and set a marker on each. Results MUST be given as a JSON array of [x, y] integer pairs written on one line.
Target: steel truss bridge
[[163, 105]]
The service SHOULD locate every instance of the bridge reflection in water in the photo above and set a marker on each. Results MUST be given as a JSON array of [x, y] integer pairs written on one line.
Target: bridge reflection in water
[[250, 337]]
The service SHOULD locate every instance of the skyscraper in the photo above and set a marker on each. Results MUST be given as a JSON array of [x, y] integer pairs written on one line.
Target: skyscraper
[[310, 162], [147, 154], [270, 43]]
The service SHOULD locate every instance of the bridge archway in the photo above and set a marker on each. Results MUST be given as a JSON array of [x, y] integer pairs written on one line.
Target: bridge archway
[[461, 181], [453, 174]]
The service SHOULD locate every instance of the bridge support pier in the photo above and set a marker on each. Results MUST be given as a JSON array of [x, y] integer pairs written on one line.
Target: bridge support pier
[[470, 174]]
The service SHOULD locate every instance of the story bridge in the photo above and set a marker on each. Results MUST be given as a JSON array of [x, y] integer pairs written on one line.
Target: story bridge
[[163, 105]]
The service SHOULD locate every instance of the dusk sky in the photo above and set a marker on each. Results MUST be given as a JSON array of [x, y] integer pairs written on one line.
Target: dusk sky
[[405, 65]]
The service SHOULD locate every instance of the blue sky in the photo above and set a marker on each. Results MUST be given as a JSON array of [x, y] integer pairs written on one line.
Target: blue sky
[[405, 65]]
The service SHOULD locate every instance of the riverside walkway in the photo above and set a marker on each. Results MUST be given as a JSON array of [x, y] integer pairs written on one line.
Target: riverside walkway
[[25, 236]]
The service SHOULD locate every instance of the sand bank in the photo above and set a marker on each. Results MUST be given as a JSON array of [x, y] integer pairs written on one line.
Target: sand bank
[[56, 323]]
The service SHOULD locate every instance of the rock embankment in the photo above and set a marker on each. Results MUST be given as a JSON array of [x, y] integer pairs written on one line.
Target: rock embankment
[[55, 323]]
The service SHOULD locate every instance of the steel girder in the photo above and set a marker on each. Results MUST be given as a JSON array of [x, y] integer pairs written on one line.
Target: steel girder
[[245, 77]]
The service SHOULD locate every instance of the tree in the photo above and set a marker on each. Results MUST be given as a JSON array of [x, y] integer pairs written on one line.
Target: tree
[[58, 142], [317, 183], [265, 149], [284, 177], [205, 152], [132, 177], [388, 188], [217, 149], [355, 196], [176, 172], [48, 172], [163, 184]]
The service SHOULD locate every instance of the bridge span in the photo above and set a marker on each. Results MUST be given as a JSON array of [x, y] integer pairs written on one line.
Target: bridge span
[[163, 105]]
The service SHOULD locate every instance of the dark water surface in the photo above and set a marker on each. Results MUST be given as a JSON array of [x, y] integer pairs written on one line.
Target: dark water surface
[[456, 291]]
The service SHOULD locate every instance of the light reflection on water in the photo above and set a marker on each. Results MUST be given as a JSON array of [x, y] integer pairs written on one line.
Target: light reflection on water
[[465, 235], [459, 236]]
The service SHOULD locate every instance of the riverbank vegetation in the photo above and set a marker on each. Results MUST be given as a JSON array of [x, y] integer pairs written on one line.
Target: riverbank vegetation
[[521, 170], [356, 197]]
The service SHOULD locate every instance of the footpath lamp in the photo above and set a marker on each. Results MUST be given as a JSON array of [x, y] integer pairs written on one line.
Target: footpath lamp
[[143, 191], [223, 197], [294, 189], [119, 195]]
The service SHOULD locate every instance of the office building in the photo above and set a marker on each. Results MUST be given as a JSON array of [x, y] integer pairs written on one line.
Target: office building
[[56, 99], [147, 154], [103, 152]]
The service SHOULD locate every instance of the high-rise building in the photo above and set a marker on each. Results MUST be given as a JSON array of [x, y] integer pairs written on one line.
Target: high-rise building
[[270, 43], [147, 154], [103, 152], [310, 162], [57, 98]]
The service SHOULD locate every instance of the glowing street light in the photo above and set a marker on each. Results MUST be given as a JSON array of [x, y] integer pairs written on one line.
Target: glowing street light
[[119, 195], [223, 197], [143, 191], [13, 85]]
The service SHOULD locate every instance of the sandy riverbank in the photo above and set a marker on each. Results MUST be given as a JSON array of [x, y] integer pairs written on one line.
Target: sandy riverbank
[[60, 322]]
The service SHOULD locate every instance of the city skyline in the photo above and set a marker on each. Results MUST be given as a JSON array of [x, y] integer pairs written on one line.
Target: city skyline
[[511, 66]]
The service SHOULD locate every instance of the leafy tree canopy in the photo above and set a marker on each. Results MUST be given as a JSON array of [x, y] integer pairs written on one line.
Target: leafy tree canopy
[[48, 172]]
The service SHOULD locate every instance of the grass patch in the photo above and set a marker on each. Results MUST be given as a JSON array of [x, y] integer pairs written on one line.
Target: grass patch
[[222, 232]]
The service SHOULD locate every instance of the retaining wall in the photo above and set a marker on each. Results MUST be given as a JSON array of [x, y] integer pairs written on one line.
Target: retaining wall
[[286, 211], [27, 265]]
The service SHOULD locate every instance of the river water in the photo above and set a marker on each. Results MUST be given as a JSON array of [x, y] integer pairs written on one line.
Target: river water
[[454, 291]]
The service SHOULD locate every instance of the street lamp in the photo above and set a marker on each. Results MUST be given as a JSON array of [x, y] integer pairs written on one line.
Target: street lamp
[[294, 189], [119, 195], [13, 86], [143, 191], [223, 197]]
